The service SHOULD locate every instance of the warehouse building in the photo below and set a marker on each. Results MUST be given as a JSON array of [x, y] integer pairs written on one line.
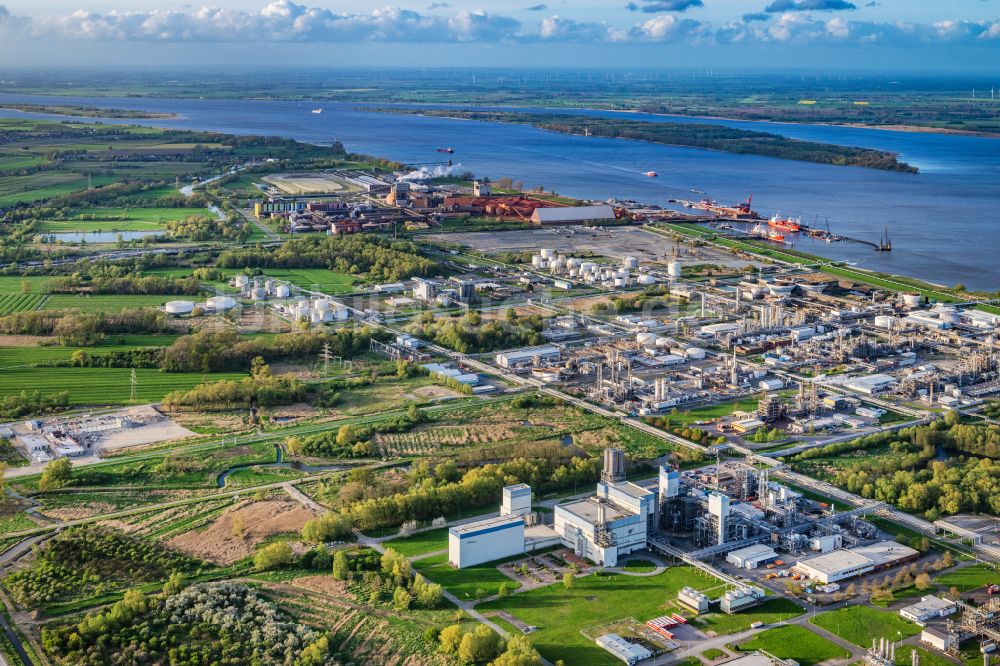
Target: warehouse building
[[518, 358], [630, 653], [573, 215], [928, 608], [752, 557], [485, 540], [841, 565]]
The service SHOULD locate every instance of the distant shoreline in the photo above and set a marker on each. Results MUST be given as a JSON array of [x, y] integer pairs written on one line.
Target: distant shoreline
[[95, 112]]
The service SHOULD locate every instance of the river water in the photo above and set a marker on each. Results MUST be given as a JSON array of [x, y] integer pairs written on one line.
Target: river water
[[944, 222]]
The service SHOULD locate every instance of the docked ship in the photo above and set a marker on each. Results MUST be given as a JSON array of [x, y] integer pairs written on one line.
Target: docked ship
[[740, 211], [767, 234], [787, 224]]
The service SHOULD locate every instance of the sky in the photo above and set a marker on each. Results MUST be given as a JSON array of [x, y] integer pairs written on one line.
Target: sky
[[910, 35]]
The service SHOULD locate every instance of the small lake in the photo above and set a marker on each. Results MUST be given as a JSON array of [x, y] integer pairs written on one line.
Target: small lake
[[99, 236]]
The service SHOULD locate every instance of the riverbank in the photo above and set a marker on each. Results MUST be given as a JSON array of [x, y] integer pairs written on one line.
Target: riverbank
[[89, 111]]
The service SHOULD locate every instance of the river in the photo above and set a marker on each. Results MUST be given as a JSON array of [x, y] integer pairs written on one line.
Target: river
[[944, 222]]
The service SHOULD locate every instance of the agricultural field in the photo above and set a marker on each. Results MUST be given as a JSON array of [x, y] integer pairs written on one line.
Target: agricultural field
[[10, 303], [105, 302], [315, 279], [45, 185], [11, 357], [120, 219], [102, 386], [794, 642], [860, 624], [561, 614]]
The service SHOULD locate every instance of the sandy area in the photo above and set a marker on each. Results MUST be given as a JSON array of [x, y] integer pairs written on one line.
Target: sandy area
[[156, 428], [218, 544], [323, 584], [431, 393], [25, 340], [78, 512]]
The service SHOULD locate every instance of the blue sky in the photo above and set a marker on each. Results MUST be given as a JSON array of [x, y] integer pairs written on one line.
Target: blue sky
[[938, 35]]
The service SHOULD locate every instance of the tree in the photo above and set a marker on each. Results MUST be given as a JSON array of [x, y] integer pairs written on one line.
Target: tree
[[504, 590], [57, 474], [173, 584], [429, 595], [953, 592], [947, 560], [273, 556], [479, 646], [568, 580], [328, 527], [341, 567], [315, 653], [450, 638], [852, 590], [401, 598], [519, 653], [239, 525], [922, 582]]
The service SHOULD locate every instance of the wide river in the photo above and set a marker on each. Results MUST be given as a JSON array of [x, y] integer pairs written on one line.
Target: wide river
[[944, 222]]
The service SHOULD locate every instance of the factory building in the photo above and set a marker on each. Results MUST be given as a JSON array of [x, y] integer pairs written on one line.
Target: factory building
[[741, 598], [630, 653], [573, 215], [614, 522], [485, 540], [693, 599], [516, 500], [752, 557], [518, 358], [928, 608], [841, 565]]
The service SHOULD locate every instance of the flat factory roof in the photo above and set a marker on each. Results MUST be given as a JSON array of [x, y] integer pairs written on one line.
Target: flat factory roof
[[486, 526], [760, 550], [835, 562], [587, 510], [884, 552]]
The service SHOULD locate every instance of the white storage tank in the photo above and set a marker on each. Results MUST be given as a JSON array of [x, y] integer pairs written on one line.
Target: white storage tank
[[179, 307], [242, 280], [911, 300], [547, 253], [885, 321], [258, 294], [695, 353], [321, 304], [664, 342], [536, 260], [619, 282], [221, 302], [631, 262], [645, 339], [341, 313], [281, 291], [646, 279], [674, 269]]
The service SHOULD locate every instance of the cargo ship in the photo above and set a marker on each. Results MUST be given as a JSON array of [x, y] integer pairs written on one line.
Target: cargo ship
[[446, 150], [651, 174], [740, 211], [788, 224]]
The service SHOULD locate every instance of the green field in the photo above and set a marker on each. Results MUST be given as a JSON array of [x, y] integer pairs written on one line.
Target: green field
[[45, 185], [463, 583], [15, 161], [15, 284], [777, 609], [19, 302], [561, 614], [794, 642], [105, 302], [968, 578], [121, 219], [316, 279], [860, 624], [102, 386], [13, 357], [418, 544]]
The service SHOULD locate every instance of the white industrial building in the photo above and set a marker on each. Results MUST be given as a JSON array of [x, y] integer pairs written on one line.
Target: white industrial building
[[841, 565], [630, 653], [613, 522], [872, 384], [485, 540], [928, 608], [516, 358], [693, 599], [752, 557], [937, 638], [741, 598], [516, 500], [573, 214]]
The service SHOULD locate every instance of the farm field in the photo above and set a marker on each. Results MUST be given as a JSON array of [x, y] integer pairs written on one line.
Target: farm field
[[561, 614], [318, 279], [105, 302], [16, 284], [102, 386], [794, 642], [45, 185], [20, 302], [11, 357], [860, 624]]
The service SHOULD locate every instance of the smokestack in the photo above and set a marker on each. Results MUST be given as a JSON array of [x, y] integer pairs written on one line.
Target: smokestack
[[614, 466]]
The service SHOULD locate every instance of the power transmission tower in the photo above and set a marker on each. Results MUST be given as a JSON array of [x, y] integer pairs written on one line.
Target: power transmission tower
[[134, 383], [327, 357]]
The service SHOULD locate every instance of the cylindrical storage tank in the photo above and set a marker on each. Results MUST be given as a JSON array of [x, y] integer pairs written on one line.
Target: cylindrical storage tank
[[316, 316], [573, 272], [258, 294], [281, 291], [646, 279], [536, 260], [645, 339], [221, 302], [269, 285], [631, 262], [321, 304], [885, 321], [242, 280], [619, 282], [950, 317], [664, 342], [547, 253], [179, 307], [695, 352], [674, 269], [341, 313], [911, 300]]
